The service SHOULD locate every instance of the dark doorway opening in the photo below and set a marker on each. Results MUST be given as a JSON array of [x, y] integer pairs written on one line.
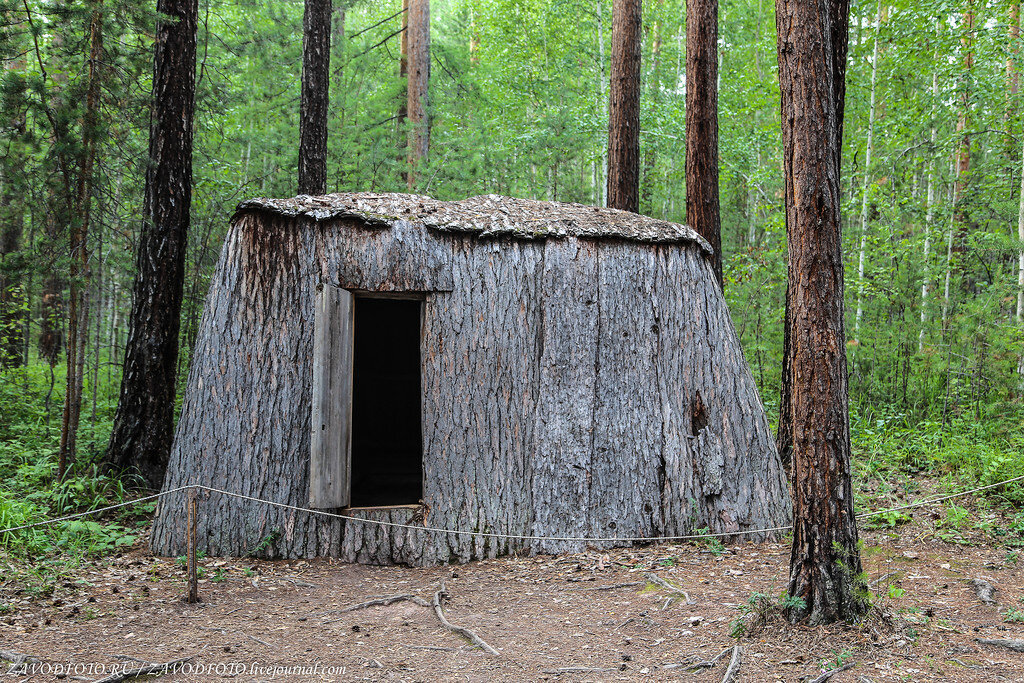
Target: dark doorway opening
[[387, 442]]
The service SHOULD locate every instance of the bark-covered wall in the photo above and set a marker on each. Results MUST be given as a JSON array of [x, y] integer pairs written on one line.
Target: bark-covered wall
[[571, 387]]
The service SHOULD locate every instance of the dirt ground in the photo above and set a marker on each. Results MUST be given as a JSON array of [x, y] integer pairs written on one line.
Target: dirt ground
[[551, 618]]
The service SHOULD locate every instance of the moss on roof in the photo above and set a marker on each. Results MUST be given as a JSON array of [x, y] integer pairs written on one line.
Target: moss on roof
[[484, 216]]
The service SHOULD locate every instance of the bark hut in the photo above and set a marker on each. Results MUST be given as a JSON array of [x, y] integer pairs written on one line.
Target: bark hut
[[572, 371]]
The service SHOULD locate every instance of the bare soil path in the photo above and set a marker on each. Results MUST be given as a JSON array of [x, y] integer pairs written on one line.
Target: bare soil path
[[551, 618]]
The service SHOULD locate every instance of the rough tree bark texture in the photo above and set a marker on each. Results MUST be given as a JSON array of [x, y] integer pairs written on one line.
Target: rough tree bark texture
[[825, 563], [417, 33], [571, 387], [316, 72], [624, 108], [702, 211], [141, 437]]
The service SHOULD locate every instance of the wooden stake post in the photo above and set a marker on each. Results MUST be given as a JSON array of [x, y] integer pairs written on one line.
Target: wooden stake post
[[193, 573]]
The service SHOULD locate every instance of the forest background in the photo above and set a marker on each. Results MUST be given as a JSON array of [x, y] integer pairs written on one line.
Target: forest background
[[932, 194]]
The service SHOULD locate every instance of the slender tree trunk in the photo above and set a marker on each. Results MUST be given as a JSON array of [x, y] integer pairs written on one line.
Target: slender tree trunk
[[702, 209], [946, 292], [12, 224], [602, 99], [316, 73], [963, 163], [825, 565], [624, 108], [418, 34], [1020, 266], [143, 424], [862, 254], [78, 308], [929, 212], [1012, 83]]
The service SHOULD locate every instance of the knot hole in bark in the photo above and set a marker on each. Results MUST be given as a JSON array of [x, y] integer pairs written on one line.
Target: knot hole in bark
[[698, 415]]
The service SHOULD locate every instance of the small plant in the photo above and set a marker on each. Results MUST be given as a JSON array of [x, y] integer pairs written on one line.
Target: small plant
[[760, 609], [889, 519], [895, 592], [712, 543], [219, 576], [838, 659], [1014, 616], [267, 541]]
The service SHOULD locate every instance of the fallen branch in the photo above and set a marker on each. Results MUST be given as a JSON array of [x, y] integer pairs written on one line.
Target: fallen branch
[[299, 582], [577, 670], [1015, 645], [883, 577], [615, 586], [711, 662], [662, 583], [257, 640], [734, 664], [464, 632], [829, 674], [147, 669], [388, 600], [984, 590], [17, 659]]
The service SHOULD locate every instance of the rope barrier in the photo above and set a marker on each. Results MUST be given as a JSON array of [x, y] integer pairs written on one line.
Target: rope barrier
[[486, 534]]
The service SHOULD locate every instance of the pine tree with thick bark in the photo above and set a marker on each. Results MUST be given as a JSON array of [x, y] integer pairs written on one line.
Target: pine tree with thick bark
[[144, 422], [702, 209], [316, 72], [417, 34], [825, 566], [624, 108]]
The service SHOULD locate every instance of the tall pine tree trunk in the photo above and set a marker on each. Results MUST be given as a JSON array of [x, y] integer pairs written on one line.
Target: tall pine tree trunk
[[418, 34], [316, 72], [702, 209], [144, 422], [624, 108], [825, 563]]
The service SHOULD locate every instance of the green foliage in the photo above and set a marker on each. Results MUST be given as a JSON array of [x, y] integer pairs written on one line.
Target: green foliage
[[760, 609], [1013, 616], [711, 543]]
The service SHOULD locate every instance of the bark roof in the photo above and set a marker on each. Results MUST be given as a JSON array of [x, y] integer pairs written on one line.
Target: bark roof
[[488, 215]]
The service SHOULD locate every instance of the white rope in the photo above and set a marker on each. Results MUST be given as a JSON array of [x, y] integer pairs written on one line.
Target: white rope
[[96, 511], [490, 534], [487, 534]]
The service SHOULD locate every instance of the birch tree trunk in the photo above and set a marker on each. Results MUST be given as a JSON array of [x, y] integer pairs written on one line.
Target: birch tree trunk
[[702, 208], [825, 564], [1020, 266], [929, 212], [143, 424], [316, 73], [624, 108], [862, 255]]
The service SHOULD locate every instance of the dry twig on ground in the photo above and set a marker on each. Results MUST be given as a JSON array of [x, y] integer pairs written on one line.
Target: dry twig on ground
[[734, 664], [832, 672], [464, 632]]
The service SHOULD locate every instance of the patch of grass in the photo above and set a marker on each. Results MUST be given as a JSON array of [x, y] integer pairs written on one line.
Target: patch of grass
[[760, 610], [1013, 616]]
